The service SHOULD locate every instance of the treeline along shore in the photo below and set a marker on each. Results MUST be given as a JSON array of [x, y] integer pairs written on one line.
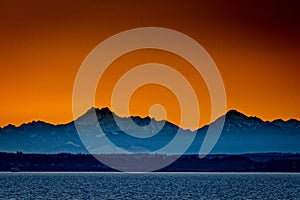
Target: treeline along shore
[[258, 162]]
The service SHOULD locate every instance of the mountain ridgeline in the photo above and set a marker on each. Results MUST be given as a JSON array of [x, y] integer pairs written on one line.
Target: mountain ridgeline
[[240, 134]]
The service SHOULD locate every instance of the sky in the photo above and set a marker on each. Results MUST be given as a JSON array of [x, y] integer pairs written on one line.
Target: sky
[[255, 44]]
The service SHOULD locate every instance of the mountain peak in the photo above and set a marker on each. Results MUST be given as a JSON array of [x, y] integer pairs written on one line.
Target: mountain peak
[[234, 112], [104, 110], [98, 111], [234, 115], [9, 126]]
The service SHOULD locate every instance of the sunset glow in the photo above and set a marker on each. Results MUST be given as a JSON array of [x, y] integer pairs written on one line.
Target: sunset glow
[[255, 45]]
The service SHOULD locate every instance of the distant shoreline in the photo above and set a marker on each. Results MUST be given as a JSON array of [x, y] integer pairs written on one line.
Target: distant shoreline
[[66, 162]]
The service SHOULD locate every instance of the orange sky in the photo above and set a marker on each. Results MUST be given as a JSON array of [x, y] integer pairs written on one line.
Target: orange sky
[[255, 45]]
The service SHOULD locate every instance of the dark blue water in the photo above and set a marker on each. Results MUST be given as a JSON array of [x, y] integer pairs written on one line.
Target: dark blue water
[[149, 186]]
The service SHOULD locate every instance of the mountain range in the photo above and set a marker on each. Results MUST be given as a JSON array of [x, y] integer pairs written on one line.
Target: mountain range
[[240, 134]]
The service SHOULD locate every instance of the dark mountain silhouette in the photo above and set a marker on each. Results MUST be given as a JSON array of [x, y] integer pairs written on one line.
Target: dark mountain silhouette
[[241, 134]]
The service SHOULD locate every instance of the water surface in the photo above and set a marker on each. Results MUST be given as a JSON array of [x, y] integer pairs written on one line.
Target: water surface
[[149, 185]]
